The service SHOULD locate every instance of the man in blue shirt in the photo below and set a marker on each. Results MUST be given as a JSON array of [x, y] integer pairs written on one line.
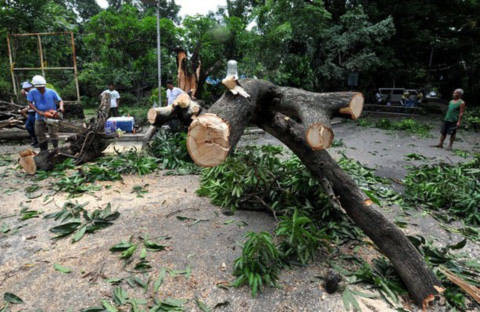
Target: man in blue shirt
[[44, 101]]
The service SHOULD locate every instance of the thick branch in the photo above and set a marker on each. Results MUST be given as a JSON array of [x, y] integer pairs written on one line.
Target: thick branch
[[314, 111], [408, 262]]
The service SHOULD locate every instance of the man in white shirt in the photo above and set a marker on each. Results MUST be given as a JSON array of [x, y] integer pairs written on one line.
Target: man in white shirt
[[172, 93], [114, 99]]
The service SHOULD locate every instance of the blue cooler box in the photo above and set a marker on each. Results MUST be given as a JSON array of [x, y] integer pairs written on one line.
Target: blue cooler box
[[123, 123]]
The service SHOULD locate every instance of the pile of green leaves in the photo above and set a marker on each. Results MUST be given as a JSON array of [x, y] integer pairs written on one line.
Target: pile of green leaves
[[471, 119], [448, 190], [259, 263], [299, 236], [77, 221], [373, 186], [171, 150], [131, 162], [122, 301], [262, 178], [108, 168]]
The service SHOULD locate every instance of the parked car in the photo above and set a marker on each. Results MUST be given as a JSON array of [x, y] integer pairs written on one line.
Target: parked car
[[392, 95]]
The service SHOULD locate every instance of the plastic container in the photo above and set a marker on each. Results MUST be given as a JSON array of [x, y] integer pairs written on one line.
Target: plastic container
[[123, 123]]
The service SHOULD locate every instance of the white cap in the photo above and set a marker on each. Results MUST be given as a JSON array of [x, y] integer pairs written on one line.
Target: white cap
[[39, 81], [26, 85]]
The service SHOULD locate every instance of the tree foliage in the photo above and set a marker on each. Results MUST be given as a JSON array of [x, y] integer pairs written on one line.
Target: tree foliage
[[310, 44]]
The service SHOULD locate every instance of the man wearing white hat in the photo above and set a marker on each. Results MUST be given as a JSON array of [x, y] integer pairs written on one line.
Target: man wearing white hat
[[44, 101], [29, 113]]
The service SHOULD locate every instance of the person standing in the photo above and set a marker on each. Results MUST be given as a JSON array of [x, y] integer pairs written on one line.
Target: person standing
[[453, 118], [172, 93], [114, 99], [44, 102], [29, 113]]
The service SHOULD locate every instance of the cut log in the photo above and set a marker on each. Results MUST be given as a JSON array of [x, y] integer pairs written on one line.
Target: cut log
[[208, 140], [182, 109], [159, 115], [27, 162], [268, 108], [149, 133]]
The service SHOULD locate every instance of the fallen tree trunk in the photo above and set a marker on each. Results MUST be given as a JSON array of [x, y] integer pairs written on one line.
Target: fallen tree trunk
[[221, 128], [409, 264], [87, 144]]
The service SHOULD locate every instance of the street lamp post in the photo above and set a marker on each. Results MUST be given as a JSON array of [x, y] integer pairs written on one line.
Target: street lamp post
[[159, 54]]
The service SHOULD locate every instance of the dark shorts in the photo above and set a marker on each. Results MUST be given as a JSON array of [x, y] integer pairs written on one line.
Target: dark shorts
[[449, 127]]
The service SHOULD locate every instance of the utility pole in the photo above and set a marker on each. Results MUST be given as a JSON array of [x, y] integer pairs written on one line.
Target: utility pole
[[159, 54]]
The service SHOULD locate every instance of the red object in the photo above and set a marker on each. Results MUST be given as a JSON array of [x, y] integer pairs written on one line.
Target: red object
[[51, 114]]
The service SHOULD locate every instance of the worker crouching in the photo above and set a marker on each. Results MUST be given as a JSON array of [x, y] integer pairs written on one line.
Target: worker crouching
[[44, 101]]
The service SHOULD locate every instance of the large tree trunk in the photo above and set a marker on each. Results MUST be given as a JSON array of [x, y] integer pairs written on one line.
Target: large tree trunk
[[87, 144], [289, 114]]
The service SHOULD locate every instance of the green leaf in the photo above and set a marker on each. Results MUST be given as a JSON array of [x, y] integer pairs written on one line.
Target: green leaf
[[12, 298], [143, 253], [119, 296], [62, 269], [153, 246], [108, 306], [159, 280], [114, 281], [202, 306], [349, 300], [129, 252], [79, 234], [121, 246], [65, 229], [458, 245]]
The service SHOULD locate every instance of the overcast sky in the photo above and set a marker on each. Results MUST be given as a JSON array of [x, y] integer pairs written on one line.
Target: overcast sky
[[189, 7]]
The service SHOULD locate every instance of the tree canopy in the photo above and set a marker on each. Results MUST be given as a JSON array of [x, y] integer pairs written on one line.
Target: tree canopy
[[313, 44]]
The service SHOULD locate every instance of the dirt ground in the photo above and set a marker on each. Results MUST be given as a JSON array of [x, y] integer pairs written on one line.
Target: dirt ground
[[205, 248]]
